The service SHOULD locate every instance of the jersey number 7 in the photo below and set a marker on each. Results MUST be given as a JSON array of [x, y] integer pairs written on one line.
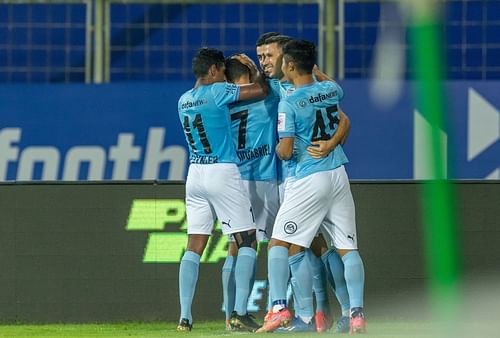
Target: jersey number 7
[[242, 130]]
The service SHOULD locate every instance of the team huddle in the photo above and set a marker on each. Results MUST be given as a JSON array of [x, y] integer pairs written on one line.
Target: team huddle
[[266, 160]]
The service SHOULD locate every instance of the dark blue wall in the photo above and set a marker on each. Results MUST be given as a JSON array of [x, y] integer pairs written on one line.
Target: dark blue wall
[[38, 47], [74, 129]]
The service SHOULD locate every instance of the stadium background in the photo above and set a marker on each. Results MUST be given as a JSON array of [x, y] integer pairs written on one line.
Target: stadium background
[[89, 91]]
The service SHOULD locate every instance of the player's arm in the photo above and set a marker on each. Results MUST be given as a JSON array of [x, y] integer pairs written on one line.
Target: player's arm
[[344, 116], [320, 76], [284, 148], [286, 130], [258, 89], [320, 149]]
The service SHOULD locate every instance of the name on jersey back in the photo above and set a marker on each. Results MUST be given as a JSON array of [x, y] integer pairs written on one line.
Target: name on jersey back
[[203, 159], [249, 154]]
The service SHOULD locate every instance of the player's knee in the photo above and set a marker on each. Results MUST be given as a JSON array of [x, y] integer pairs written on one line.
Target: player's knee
[[246, 239], [232, 249], [197, 243], [343, 252]]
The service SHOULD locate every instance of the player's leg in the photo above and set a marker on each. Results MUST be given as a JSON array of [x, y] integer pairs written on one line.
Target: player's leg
[[323, 316], [233, 209], [335, 267], [278, 271], [278, 275], [264, 197], [244, 268], [342, 215], [297, 222], [188, 278], [302, 286], [200, 220], [228, 282]]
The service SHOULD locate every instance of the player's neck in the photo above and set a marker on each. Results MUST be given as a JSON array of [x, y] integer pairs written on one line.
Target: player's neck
[[302, 80], [204, 81]]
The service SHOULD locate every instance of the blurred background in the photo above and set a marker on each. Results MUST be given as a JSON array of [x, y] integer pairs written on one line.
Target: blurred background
[[110, 41], [142, 51]]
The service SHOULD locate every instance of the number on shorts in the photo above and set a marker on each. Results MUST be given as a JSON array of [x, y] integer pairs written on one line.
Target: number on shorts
[[319, 130], [242, 130], [197, 124]]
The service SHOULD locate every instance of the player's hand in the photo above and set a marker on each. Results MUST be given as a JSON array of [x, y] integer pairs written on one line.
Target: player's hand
[[247, 61], [319, 149]]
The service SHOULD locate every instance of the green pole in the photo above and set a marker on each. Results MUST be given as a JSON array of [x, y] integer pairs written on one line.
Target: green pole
[[438, 197]]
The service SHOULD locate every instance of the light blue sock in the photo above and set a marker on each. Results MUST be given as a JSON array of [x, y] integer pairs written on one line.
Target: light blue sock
[[252, 279], [243, 271], [329, 276], [336, 267], [354, 277], [228, 285], [302, 285], [188, 277], [319, 281], [269, 297], [292, 284], [278, 274]]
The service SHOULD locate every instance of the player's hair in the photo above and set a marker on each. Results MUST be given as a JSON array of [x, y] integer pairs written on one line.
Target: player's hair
[[206, 57], [281, 40], [263, 37], [302, 53], [235, 69]]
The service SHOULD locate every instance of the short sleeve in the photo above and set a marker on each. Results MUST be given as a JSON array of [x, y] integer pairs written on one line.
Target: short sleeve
[[225, 93], [286, 119]]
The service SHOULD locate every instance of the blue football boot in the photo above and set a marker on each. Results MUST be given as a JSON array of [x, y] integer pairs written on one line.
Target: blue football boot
[[297, 325]]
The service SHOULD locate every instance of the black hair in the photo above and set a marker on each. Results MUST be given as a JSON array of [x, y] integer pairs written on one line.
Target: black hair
[[263, 37], [235, 69], [206, 57], [281, 40], [302, 53]]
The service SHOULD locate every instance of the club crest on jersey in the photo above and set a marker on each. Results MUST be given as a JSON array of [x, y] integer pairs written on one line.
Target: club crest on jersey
[[290, 227]]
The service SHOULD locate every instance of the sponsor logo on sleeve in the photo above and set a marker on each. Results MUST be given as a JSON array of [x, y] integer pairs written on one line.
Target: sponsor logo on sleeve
[[281, 121]]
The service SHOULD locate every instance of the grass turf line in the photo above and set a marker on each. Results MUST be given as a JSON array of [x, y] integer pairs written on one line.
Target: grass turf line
[[209, 329]]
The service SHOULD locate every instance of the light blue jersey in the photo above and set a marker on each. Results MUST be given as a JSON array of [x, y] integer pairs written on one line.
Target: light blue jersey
[[285, 168], [254, 128], [204, 115], [311, 113]]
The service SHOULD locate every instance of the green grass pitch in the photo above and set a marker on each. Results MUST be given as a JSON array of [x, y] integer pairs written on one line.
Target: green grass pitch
[[386, 329]]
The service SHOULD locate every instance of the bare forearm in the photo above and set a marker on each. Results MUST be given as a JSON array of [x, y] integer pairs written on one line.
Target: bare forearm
[[257, 90], [284, 148]]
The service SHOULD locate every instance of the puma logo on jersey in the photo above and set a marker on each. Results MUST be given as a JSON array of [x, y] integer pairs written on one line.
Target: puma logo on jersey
[[226, 223], [350, 237]]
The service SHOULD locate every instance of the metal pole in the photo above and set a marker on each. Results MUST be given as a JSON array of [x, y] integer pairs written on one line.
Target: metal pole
[[107, 41], [341, 44], [330, 37], [98, 41], [88, 41]]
